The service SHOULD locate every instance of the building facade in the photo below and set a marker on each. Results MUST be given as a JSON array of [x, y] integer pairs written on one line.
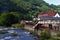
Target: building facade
[[48, 19]]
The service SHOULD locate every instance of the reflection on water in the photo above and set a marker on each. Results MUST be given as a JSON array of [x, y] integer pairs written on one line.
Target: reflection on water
[[24, 35]]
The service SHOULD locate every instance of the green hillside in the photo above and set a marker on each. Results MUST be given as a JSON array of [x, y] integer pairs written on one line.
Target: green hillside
[[24, 6], [22, 10]]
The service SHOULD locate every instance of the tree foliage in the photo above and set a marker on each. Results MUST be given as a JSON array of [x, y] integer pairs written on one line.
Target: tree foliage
[[24, 6], [7, 19]]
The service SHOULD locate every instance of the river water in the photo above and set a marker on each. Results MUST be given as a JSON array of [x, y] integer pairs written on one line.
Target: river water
[[24, 35]]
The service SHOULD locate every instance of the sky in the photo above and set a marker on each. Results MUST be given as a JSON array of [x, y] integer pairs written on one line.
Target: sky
[[55, 2]]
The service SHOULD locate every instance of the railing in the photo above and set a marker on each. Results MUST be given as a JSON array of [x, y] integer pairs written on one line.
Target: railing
[[47, 22]]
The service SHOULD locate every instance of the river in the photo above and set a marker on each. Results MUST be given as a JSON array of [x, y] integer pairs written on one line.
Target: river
[[24, 35]]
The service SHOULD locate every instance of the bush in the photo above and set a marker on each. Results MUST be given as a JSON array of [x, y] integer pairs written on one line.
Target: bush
[[51, 39], [58, 35], [22, 26], [45, 35]]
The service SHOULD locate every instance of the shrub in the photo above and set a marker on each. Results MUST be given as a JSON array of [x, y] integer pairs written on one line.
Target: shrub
[[22, 26], [45, 35], [58, 35]]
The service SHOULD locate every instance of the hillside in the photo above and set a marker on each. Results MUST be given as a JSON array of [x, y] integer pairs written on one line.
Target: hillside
[[12, 11], [25, 6]]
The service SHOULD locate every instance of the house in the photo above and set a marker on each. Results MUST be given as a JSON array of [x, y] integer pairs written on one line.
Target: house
[[27, 23], [50, 18]]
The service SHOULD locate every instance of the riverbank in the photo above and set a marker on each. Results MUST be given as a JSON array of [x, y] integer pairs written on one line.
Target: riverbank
[[53, 34], [37, 34]]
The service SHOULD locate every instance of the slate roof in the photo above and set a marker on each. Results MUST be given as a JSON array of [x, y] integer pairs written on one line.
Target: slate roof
[[49, 18]]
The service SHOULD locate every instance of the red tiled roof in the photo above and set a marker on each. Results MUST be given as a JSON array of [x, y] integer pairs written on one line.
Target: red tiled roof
[[47, 13]]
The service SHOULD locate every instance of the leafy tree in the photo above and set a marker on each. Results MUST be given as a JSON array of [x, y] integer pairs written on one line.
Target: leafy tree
[[7, 19], [45, 35]]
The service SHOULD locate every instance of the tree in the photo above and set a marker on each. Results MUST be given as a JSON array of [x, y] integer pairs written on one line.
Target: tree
[[45, 35], [7, 19]]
